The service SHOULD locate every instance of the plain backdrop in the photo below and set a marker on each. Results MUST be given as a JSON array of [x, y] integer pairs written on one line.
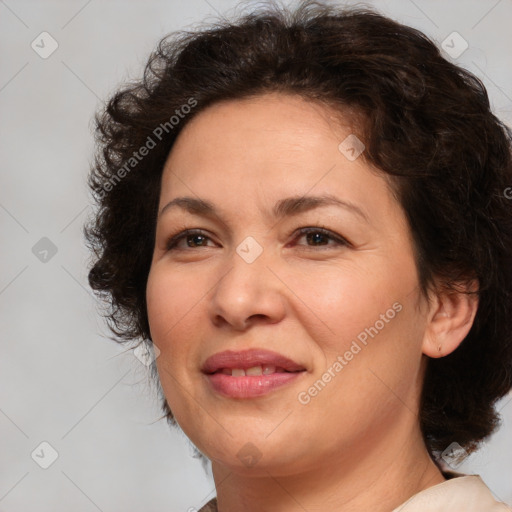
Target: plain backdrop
[[63, 383]]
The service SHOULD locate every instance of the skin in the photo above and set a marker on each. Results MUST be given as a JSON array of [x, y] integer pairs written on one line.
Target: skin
[[357, 444]]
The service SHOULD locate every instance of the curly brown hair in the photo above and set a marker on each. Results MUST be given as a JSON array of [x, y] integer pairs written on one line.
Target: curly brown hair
[[425, 122]]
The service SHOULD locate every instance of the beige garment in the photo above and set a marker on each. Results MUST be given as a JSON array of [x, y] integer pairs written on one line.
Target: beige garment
[[460, 493], [464, 493]]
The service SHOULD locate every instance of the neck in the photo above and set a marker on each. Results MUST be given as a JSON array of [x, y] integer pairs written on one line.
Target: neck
[[347, 483]]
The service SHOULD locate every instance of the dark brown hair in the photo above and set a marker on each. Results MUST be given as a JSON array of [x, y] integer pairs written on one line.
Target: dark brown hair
[[425, 122]]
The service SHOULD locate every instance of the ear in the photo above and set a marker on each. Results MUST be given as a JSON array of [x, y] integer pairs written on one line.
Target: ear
[[450, 318]]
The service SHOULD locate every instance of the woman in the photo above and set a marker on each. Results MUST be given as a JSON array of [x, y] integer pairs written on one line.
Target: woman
[[304, 214]]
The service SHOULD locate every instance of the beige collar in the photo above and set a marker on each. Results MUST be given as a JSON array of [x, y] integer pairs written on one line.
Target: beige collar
[[466, 493]]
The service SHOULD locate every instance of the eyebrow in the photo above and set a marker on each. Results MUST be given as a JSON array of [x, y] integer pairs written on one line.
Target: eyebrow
[[287, 207]]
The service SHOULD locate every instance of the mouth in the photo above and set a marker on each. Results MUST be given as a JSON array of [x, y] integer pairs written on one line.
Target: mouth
[[250, 362], [265, 369], [250, 373]]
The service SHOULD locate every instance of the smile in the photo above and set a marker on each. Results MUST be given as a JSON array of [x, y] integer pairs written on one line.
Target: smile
[[250, 373]]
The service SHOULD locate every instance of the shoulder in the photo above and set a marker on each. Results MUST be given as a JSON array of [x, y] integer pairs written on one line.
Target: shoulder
[[458, 492]]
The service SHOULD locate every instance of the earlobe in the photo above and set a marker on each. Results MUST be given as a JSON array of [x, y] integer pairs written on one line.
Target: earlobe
[[450, 320]]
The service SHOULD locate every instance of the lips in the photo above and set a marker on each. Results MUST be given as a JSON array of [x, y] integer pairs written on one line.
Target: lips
[[268, 361], [250, 373]]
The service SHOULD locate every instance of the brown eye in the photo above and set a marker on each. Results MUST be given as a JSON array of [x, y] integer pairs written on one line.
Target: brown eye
[[319, 237], [193, 238]]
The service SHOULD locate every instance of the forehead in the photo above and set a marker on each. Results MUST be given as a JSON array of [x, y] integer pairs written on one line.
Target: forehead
[[266, 148], [272, 133], [273, 114]]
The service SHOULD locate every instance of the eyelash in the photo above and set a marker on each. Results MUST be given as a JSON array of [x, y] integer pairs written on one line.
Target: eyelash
[[340, 241]]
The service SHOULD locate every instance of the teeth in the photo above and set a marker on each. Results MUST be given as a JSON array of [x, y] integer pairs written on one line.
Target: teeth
[[255, 370], [266, 369]]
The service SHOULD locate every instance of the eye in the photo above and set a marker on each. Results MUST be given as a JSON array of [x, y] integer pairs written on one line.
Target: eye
[[193, 237], [315, 237], [320, 237]]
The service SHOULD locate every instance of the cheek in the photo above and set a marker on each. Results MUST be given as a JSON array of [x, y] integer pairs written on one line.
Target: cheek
[[171, 320], [168, 302], [377, 348], [344, 301], [367, 316]]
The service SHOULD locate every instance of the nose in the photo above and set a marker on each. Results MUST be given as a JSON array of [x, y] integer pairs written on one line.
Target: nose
[[248, 293]]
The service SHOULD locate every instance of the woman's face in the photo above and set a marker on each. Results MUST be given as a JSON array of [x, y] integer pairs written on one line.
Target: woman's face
[[340, 302]]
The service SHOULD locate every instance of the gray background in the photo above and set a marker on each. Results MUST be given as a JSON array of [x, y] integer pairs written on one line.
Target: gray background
[[61, 380]]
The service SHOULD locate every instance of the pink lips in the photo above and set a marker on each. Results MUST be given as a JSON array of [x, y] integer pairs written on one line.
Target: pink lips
[[247, 359], [217, 369]]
